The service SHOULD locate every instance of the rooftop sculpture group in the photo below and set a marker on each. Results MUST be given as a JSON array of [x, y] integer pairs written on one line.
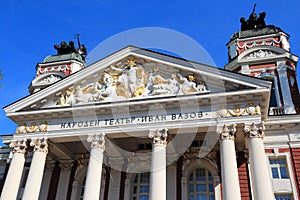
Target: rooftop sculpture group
[[253, 22], [68, 48]]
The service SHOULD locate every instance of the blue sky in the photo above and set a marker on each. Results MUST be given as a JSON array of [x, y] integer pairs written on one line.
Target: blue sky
[[30, 28]]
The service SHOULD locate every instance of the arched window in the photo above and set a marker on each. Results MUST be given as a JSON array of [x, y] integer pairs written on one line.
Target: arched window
[[141, 186], [201, 185]]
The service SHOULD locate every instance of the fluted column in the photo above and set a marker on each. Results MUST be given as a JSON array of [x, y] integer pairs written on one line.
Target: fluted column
[[36, 171], [260, 175], [158, 178], [229, 172], [13, 178], [93, 177]]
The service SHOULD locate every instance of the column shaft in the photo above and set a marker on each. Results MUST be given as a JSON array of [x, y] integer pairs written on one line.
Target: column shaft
[[14, 175], [229, 171], [158, 182], [230, 178], [260, 174], [12, 182], [93, 177], [36, 172], [158, 177], [262, 185]]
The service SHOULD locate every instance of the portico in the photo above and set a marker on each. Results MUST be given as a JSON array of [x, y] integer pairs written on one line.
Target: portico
[[158, 124]]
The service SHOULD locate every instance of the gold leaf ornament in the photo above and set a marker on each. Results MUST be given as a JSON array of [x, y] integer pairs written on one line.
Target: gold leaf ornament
[[43, 126], [32, 128], [21, 128]]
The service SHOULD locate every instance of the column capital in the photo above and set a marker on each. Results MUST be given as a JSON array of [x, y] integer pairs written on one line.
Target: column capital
[[116, 162], [49, 165], [159, 136], [40, 145], [227, 132], [97, 141], [83, 160], [255, 130], [66, 165], [18, 146]]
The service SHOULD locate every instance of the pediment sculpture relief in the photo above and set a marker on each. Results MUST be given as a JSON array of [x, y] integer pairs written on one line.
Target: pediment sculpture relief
[[129, 79], [261, 54], [50, 79]]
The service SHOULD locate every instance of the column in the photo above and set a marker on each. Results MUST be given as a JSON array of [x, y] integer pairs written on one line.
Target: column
[[93, 177], [127, 187], [36, 171], [229, 172], [13, 178], [158, 182], [260, 174], [46, 179], [171, 181], [116, 164], [64, 177]]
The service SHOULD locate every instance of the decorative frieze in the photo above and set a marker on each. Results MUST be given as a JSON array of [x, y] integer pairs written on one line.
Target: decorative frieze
[[97, 141], [255, 130], [159, 136], [227, 132], [251, 44], [18, 146], [39, 145]]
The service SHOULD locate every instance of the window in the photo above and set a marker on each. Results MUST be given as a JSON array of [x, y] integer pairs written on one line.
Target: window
[[147, 146], [201, 185], [283, 197], [278, 168], [273, 101], [141, 186]]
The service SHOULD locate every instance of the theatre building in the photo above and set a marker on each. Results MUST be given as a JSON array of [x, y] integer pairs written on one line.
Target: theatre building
[[139, 125]]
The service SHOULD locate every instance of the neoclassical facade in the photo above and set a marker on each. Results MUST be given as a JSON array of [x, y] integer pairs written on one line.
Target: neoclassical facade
[[140, 125]]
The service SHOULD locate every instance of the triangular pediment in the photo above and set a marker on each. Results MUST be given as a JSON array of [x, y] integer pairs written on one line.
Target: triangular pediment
[[134, 73]]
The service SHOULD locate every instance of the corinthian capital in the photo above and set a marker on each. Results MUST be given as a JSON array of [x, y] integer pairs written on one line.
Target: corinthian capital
[[159, 136], [227, 132], [18, 146], [255, 130], [39, 145], [97, 141]]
